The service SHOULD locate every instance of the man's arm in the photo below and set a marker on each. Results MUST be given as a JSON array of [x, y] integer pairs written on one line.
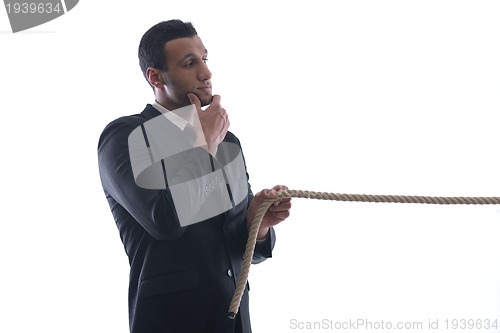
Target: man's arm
[[153, 209]]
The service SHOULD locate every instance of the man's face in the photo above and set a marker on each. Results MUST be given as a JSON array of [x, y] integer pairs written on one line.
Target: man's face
[[187, 72]]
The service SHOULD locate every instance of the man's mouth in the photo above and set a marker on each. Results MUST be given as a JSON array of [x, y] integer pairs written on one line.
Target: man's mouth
[[205, 88]]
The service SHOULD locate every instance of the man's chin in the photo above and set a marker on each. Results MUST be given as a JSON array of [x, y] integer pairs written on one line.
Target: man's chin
[[206, 100]]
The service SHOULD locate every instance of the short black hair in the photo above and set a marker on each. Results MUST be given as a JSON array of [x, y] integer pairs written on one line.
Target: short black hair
[[151, 47]]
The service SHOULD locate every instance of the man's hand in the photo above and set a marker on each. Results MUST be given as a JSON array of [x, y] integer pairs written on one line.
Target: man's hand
[[214, 121], [277, 212]]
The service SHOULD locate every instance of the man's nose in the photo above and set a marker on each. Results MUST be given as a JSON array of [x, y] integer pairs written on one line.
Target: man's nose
[[205, 73]]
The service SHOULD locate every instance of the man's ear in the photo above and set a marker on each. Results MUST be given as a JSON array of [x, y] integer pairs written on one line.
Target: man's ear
[[155, 77]]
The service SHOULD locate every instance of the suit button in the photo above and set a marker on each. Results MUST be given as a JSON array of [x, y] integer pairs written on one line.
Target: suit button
[[230, 272]]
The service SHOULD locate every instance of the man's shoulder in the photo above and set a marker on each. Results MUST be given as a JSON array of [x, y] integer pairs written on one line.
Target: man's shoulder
[[124, 125], [230, 137], [129, 120], [132, 120]]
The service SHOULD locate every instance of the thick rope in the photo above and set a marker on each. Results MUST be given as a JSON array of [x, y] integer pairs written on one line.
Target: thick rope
[[254, 228]]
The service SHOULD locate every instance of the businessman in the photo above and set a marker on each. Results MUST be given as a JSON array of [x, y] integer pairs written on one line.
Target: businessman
[[176, 182]]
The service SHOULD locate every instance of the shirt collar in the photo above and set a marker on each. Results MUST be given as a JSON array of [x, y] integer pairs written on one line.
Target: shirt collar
[[174, 118]]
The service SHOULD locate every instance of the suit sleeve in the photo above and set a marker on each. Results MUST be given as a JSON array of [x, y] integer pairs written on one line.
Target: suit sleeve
[[263, 250], [153, 209]]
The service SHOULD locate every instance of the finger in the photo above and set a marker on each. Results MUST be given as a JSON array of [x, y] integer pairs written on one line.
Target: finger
[[266, 194], [281, 206], [282, 200], [223, 112], [226, 123], [225, 127], [215, 102], [194, 100], [280, 187], [282, 215]]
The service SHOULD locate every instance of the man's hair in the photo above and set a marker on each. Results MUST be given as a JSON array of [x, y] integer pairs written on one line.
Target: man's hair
[[151, 47]]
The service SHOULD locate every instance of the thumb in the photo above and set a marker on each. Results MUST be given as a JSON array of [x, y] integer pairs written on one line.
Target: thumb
[[267, 194], [194, 100]]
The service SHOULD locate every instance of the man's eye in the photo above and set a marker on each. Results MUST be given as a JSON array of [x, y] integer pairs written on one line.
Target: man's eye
[[205, 60], [189, 64]]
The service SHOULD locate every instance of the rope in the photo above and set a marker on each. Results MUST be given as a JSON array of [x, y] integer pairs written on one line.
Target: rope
[[254, 228]]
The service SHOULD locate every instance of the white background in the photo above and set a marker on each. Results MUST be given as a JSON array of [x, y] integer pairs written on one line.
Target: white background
[[378, 97]]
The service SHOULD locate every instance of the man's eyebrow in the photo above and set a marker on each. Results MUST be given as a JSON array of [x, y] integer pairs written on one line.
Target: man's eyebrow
[[192, 55]]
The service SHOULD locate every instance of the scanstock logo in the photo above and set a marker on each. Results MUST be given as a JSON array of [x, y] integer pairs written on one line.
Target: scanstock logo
[[26, 14]]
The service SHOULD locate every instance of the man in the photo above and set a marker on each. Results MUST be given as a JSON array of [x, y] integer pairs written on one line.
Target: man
[[182, 217]]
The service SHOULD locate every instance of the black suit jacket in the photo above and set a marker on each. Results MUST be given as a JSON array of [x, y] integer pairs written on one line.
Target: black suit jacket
[[181, 278]]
